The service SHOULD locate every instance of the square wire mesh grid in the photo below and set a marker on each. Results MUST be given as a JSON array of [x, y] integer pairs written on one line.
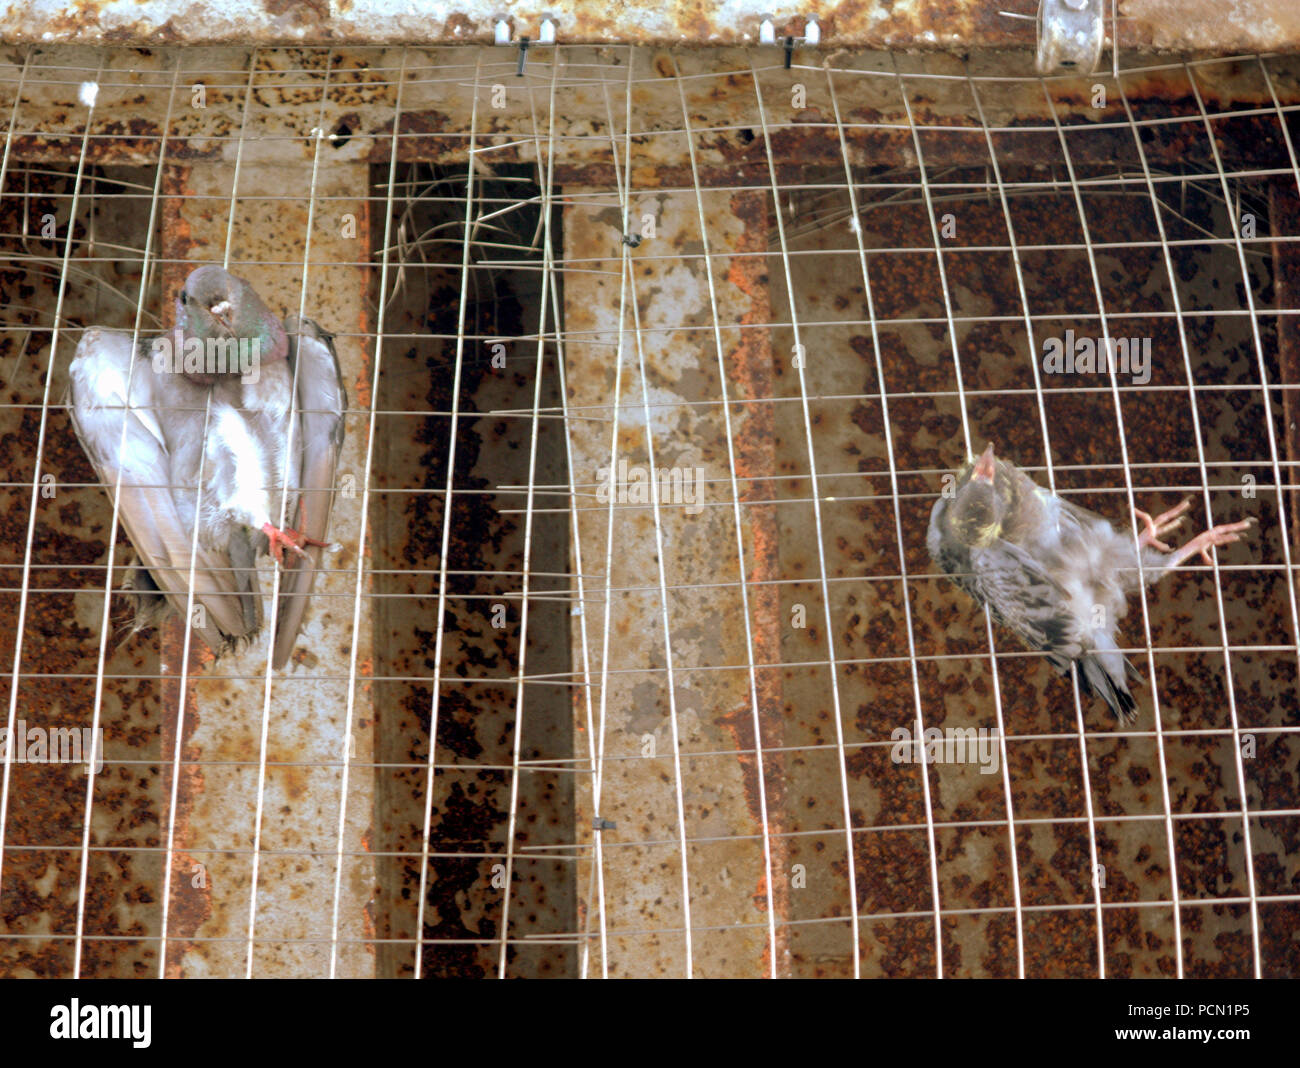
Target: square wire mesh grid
[[656, 363]]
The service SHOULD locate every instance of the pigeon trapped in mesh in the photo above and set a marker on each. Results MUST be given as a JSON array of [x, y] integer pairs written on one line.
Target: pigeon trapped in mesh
[[237, 415], [1056, 574]]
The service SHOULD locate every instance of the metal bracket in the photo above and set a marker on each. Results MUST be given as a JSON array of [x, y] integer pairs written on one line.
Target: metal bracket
[[1070, 35], [812, 36], [502, 31]]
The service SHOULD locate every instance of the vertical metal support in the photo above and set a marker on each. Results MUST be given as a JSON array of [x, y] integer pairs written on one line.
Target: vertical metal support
[[751, 378], [1284, 213], [306, 744], [715, 708], [190, 896]]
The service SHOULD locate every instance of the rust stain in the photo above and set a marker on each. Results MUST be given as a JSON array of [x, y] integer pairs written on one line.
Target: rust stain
[[179, 238], [190, 904], [750, 371], [365, 320], [301, 12], [1251, 25], [1284, 203], [61, 645]]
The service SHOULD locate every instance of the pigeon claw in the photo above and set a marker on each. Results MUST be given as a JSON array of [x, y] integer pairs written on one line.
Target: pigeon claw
[[1224, 534], [292, 540], [1162, 524]]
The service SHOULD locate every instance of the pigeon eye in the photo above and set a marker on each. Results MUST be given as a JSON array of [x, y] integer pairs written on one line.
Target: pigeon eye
[[185, 297]]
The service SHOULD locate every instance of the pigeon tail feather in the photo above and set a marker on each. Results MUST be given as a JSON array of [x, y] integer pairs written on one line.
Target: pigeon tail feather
[[1100, 676]]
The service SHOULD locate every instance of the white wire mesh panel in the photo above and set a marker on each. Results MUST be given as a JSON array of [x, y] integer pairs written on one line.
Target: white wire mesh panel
[[656, 366]]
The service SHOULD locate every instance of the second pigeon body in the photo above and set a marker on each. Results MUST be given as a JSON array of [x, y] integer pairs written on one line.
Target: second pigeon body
[[1056, 574], [234, 452]]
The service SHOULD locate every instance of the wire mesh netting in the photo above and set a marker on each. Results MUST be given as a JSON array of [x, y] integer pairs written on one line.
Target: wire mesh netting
[[656, 364]]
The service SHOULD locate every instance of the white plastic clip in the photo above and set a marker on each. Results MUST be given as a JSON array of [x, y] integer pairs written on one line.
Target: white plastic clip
[[1070, 35], [547, 36], [812, 33], [502, 32], [767, 31]]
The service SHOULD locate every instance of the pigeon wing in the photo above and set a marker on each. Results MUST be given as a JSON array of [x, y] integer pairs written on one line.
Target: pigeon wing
[[1025, 598], [1018, 590], [318, 437], [125, 442]]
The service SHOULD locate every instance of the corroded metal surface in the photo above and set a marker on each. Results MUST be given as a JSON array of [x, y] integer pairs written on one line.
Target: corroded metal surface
[[214, 110], [714, 710], [217, 791], [1252, 25], [892, 854], [1284, 207], [479, 710], [552, 908], [751, 370], [306, 741], [1217, 25], [62, 637]]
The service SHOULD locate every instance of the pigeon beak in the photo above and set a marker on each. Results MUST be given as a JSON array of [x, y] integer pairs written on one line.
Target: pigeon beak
[[219, 312], [984, 466]]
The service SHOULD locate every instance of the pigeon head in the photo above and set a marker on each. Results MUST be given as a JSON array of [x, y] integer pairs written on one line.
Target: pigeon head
[[982, 502], [224, 312]]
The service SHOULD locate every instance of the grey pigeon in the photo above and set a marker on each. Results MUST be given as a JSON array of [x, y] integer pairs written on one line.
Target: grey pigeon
[[207, 422], [1056, 574]]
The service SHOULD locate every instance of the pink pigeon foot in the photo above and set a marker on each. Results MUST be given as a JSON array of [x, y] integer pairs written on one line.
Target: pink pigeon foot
[[1162, 524], [290, 539], [1224, 534]]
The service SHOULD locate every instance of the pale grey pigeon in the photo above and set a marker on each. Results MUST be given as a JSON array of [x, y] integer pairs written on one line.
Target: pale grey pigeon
[[207, 422], [1056, 574]]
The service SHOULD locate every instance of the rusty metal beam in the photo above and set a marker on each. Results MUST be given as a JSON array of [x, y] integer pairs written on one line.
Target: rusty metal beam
[[275, 118], [744, 913], [306, 739], [1242, 25], [1284, 209]]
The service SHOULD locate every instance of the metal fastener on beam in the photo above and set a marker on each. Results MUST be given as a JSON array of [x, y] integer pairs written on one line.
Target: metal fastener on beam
[[1070, 35]]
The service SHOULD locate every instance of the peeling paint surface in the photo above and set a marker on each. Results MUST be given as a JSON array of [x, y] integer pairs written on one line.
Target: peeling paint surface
[[267, 104], [714, 711], [1249, 25], [306, 742]]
